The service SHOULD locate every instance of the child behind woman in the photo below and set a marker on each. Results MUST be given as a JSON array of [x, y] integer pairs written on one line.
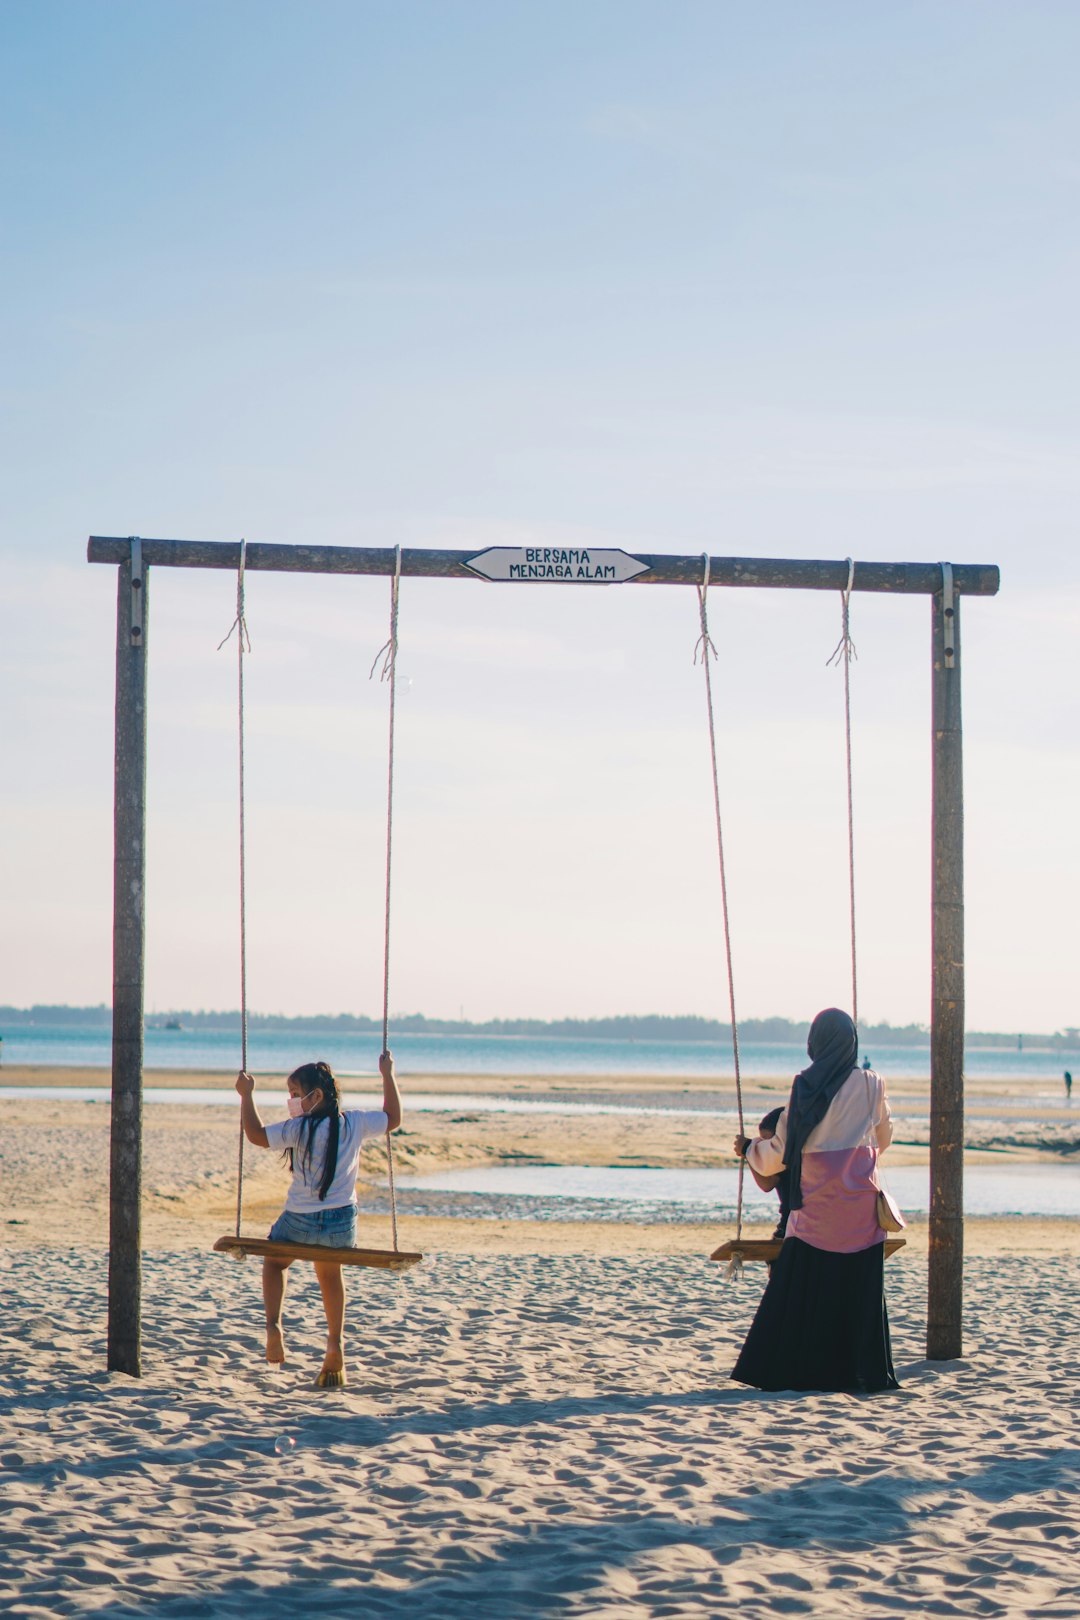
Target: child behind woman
[[766, 1131], [321, 1142]]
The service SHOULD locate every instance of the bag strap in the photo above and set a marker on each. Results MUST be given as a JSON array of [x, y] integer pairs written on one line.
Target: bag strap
[[878, 1183]]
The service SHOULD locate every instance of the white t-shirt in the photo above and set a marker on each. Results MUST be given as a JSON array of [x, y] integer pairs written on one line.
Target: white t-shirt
[[303, 1195]]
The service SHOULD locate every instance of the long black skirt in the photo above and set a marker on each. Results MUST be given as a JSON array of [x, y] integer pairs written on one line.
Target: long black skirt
[[821, 1324]]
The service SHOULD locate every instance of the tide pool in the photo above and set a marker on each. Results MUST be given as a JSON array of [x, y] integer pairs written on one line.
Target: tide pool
[[572, 1192]]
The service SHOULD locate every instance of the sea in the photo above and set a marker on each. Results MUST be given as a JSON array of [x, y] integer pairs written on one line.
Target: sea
[[574, 1192], [353, 1054]]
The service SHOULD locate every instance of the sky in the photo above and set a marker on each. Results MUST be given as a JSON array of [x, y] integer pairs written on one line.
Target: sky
[[780, 280]]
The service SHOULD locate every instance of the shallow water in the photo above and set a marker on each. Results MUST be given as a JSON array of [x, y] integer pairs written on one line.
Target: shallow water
[[552, 1191]]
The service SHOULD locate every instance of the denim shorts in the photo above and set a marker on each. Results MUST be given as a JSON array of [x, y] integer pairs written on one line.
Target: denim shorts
[[334, 1228]]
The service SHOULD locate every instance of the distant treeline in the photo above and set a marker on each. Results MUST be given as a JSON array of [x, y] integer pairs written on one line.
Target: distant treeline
[[625, 1027]]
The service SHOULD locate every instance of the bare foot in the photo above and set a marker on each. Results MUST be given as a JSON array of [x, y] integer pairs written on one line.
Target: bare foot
[[275, 1343], [332, 1375]]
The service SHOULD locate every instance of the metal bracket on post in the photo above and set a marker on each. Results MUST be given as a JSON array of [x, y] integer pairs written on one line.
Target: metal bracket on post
[[136, 591], [948, 608]]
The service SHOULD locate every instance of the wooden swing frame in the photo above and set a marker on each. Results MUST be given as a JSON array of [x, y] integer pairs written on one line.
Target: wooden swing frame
[[133, 557]]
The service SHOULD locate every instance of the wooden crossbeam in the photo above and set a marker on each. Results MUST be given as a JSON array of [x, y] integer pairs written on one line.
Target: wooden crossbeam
[[763, 573]]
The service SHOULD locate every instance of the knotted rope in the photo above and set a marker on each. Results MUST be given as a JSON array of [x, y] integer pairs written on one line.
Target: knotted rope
[[387, 668], [706, 650], [243, 644], [843, 653]]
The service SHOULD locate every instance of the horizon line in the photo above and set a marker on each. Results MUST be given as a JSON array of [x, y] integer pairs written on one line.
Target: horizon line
[[365, 1019]]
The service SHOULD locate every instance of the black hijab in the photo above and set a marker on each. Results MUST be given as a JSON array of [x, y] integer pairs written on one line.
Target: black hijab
[[833, 1049]]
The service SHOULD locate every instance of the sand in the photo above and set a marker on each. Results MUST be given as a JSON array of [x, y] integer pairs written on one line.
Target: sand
[[539, 1421], [527, 1435]]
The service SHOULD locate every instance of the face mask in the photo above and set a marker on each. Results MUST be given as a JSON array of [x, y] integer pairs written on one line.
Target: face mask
[[296, 1107]]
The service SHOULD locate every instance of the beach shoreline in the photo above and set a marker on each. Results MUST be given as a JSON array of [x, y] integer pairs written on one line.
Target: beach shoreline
[[677, 1130], [190, 1160], [982, 1086]]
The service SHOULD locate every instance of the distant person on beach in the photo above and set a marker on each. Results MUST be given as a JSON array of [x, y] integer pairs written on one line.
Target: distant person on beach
[[1068, 1086], [867, 1065], [778, 1184], [321, 1142], [822, 1323]]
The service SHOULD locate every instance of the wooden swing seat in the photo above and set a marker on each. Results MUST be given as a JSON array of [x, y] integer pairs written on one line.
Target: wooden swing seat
[[382, 1259], [768, 1249]]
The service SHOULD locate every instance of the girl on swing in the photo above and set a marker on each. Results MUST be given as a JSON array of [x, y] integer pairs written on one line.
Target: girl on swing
[[321, 1142]]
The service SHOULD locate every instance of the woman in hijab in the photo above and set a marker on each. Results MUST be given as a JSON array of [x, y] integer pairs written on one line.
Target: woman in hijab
[[822, 1322]]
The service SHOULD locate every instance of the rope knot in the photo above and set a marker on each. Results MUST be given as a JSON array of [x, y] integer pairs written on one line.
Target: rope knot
[[704, 646], [386, 657], [387, 653], [240, 622], [844, 650]]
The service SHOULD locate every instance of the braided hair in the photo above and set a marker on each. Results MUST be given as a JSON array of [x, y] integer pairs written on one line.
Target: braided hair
[[318, 1077]]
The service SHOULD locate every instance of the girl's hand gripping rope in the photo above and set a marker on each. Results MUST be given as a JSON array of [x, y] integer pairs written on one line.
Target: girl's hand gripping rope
[[391, 1094]]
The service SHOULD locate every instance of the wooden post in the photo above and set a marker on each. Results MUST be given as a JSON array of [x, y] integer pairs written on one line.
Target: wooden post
[[129, 879], [944, 1327]]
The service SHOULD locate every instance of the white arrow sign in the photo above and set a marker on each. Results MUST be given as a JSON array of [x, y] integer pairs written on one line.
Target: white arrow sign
[[577, 564]]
